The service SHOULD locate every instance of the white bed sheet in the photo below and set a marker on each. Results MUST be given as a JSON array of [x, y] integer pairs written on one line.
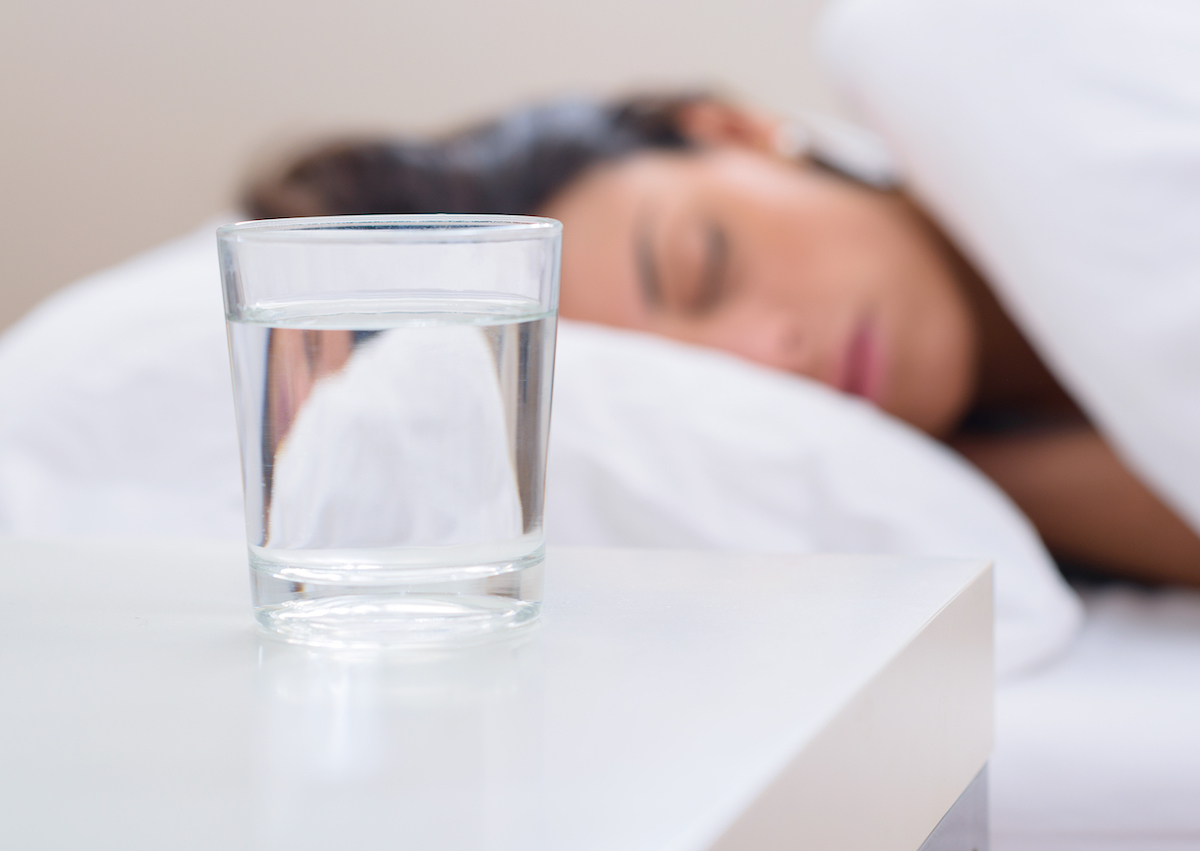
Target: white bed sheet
[[1101, 751]]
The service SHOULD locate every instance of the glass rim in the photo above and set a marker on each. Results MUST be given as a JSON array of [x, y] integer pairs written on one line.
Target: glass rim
[[395, 228]]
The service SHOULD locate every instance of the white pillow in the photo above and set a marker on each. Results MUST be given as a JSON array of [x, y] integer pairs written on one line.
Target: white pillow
[[118, 414], [658, 444], [118, 420], [1059, 142]]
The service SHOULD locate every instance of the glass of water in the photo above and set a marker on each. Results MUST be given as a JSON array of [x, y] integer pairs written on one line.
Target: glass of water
[[392, 381]]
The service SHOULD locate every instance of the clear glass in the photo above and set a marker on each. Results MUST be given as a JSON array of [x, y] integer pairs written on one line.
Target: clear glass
[[392, 380]]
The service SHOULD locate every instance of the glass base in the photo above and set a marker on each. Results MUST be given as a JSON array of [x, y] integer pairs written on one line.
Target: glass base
[[349, 615]]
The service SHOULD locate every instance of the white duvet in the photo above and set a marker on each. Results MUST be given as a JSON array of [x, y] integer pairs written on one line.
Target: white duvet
[[1058, 141]]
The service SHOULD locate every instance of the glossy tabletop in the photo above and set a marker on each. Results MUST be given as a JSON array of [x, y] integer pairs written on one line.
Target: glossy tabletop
[[666, 700]]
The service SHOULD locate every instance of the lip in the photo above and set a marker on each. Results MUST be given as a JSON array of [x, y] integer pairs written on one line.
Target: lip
[[863, 363]]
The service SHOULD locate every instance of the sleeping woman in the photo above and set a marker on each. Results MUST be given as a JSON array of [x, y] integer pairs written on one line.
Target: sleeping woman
[[683, 218]]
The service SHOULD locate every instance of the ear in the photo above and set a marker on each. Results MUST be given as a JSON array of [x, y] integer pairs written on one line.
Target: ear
[[717, 122]]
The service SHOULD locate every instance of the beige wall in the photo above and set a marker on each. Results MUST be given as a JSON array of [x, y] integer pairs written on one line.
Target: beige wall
[[131, 121]]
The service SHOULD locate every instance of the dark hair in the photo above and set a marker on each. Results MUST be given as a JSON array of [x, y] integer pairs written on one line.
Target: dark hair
[[510, 165]]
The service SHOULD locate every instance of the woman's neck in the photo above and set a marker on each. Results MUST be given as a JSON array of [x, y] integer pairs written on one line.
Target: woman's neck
[[1011, 379]]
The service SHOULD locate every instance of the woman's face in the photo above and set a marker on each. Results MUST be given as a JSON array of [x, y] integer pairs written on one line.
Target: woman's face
[[784, 265]]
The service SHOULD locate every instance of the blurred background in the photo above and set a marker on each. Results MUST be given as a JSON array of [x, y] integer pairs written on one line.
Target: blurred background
[[133, 121]]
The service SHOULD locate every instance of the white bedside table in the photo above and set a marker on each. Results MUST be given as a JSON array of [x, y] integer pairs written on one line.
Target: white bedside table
[[668, 701]]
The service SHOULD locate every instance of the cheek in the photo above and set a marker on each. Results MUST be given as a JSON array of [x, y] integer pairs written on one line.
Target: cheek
[[823, 268], [763, 332], [603, 291], [936, 364]]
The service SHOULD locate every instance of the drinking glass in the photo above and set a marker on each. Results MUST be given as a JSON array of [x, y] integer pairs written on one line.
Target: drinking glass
[[392, 379]]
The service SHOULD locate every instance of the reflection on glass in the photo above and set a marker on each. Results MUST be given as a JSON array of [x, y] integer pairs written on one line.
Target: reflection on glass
[[395, 473], [391, 438], [436, 748]]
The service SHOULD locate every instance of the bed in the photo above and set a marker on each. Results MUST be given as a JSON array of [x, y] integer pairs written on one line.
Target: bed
[[1101, 751], [118, 415]]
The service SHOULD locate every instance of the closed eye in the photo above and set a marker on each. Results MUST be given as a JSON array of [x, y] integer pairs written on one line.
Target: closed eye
[[647, 269], [715, 271]]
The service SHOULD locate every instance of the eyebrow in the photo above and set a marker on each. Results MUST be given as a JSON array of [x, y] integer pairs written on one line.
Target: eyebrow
[[643, 251]]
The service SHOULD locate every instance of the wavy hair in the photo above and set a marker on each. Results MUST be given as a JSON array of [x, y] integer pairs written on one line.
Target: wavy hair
[[513, 164]]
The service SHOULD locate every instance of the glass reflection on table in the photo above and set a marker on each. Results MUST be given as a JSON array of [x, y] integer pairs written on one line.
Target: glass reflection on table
[[421, 748]]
